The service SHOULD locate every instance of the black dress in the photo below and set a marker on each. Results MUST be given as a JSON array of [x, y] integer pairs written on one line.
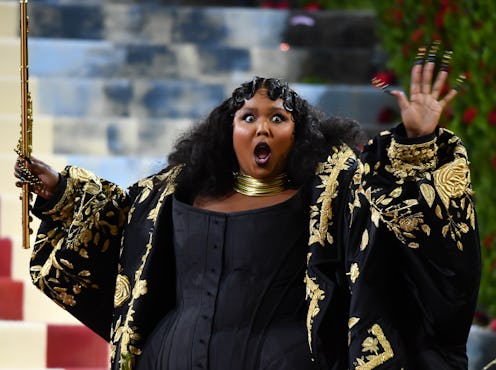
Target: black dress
[[240, 291]]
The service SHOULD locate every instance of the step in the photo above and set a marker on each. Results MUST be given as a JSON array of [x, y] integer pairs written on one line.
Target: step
[[10, 95], [11, 215], [117, 136], [208, 25], [9, 19], [179, 99], [22, 345], [50, 346], [152, 23], [20, 298], [11, 304], [5, 257], [43, 134], [191, 42], [10, 50], [212, 63], [125, 97]]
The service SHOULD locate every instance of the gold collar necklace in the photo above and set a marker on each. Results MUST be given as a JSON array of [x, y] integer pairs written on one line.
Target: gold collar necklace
[[253, 187]]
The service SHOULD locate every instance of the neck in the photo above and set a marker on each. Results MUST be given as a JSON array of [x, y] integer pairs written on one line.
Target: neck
[[253, 187]]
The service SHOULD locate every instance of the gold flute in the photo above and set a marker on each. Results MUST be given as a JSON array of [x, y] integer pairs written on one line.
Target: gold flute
[[24, 146]]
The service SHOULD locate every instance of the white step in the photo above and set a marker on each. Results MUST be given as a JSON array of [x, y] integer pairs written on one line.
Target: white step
[[43, 134], [9, 49], [9, 19], [22, 345]]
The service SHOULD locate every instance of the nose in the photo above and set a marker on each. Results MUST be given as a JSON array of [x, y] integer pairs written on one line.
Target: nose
[[263, 128]]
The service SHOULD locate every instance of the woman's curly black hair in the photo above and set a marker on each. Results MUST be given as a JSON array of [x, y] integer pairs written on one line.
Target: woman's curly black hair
[[207, 152]]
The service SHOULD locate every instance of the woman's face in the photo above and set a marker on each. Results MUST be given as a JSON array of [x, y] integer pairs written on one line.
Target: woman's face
[[263, 135]]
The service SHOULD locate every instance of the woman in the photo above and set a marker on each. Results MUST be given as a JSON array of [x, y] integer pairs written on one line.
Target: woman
[[268, 243]]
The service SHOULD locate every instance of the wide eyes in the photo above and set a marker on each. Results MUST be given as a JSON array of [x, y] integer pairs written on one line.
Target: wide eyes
[[277, 118]]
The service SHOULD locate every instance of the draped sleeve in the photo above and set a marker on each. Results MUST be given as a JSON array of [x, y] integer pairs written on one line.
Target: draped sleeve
[[75, 257], [412, 257]]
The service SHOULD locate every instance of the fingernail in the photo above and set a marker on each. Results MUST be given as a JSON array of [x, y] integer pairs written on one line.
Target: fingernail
[[433, 51], [448, 54], [459, 82], [419, 59]]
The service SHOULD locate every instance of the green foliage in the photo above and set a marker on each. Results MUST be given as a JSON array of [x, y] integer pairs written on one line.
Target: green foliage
[[467, 28]]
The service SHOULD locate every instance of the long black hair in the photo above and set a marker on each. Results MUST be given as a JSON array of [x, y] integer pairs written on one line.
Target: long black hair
[[207, 152]]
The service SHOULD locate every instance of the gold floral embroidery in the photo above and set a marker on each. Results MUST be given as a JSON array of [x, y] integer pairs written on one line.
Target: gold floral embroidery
[[365, 240], [313, 294], [80, 213], [428, 193], [122, 290], [328, 172], [398, 217], [374, 344], [451, 180], [354, 272], [412, 160], [352, 321], [125, 333]]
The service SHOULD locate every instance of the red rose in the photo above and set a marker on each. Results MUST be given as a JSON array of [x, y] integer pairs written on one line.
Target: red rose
[[267, 4], [439, 20], [469, 115], [491, 117], [283, 5], [312, 7], [397, 16], [488, 241], [417, 35]]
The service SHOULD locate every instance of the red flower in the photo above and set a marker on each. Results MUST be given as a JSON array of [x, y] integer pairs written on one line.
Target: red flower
[[417, 35], [491, 117], [440, 17], [267, 4], [311, 7], [469, 115], [282, 5], [397, 16], [488, 241], [492, 325]]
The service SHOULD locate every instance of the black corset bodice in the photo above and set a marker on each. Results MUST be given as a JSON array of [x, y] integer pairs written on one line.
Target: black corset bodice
[[239, 291]]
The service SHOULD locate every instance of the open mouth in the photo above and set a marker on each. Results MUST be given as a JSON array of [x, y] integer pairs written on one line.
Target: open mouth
[[262, 153]]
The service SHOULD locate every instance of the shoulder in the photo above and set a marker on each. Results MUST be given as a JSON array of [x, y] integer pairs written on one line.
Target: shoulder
[[341, 159], [163, 181]]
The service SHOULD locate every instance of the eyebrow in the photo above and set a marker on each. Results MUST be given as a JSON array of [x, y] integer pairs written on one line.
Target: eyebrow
[[272, 109]]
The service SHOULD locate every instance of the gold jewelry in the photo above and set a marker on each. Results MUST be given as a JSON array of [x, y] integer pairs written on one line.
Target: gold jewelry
[[253, 187]]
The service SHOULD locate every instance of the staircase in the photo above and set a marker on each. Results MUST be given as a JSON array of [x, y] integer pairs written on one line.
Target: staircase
[[115, 82]]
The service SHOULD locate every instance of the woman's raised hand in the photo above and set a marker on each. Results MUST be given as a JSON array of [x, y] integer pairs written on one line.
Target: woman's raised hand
[[47, 177], [421, 112]]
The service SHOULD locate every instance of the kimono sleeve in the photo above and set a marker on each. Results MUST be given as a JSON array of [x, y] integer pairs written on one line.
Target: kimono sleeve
[[75, 256], [414, 257]]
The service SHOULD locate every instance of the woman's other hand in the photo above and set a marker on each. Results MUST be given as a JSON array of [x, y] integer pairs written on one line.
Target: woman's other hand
[[47, 177], [421, 113]]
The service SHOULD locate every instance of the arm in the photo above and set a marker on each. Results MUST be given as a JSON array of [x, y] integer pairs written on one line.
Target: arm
[[75, 256], [413, 258]]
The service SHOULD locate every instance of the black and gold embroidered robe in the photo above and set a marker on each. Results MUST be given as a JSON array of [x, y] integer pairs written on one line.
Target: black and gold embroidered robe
[[393, 259]]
